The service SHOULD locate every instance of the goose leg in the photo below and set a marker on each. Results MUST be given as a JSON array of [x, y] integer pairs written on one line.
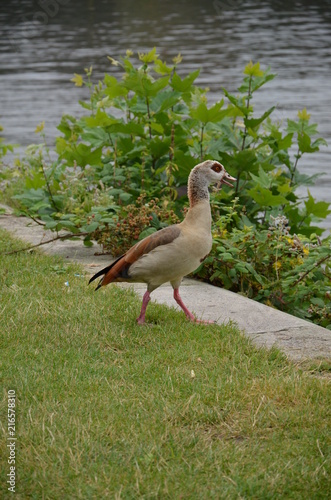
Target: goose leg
[[188, 313], [146, 299]]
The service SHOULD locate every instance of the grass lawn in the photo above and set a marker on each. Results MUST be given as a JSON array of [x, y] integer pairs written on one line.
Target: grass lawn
[[108, 409]]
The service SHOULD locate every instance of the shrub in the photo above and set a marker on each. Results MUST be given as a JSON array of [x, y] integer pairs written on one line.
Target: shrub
[[135, 222], [144, 128], [272, 266]]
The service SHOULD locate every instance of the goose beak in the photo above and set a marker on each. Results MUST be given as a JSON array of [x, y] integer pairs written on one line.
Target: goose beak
[[228, 180]]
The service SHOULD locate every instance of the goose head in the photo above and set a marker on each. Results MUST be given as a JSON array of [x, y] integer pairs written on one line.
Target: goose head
[[204, 174], [215, 173]]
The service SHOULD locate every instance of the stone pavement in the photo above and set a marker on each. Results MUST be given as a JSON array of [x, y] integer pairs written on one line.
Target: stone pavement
[[297, 338]]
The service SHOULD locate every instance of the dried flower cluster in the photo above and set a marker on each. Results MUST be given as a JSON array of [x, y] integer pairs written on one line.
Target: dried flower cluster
[[132, 221]]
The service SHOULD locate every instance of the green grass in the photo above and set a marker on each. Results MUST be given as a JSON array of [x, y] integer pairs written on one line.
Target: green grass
[[108, 409]]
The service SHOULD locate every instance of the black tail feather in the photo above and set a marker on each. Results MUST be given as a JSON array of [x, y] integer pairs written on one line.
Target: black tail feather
[[103, 272], [100, 273], [99, 285]]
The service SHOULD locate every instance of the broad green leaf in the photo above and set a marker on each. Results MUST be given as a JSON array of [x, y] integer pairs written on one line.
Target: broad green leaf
[[162, 68], [97, 137], [241, 268], [215, 113], [317, 208], [200, 113], [226, 257], [306, 180], [35, 182], [157, 127], [82, 154], [126, 197], [293, 126], [52, 224], [85, 155], [301, 126], [304, 142], [143, 85], [115, 90], [100, 119], [262, 179], [286, 142], [260, 81], [88, 242], [159, 147], [90, 228], [164, 100], [238, 102], [185, 84], [251, 84], [265, 198], [127, 128], [255, 122], [284, 188], [205, 115], [246, 161], [152, 88], [67, 224], [253, 69], [317, 302], [149, 57]]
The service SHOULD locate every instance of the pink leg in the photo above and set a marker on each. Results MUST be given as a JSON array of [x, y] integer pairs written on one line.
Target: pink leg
[[146, 299], [189, 315]]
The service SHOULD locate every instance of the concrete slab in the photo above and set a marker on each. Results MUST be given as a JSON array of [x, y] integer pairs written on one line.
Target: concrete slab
[[266, 326]]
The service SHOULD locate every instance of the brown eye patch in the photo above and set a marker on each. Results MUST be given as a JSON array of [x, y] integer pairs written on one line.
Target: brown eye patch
[[217, 167]]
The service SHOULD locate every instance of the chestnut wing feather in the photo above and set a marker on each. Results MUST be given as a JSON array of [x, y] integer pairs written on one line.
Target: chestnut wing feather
[[120, 268]]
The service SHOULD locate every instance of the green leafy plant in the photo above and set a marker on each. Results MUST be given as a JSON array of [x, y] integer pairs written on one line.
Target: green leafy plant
[[289, 272], [145, 126]]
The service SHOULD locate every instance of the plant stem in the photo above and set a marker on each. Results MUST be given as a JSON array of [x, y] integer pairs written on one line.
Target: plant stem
[[149, 118], [49, 188], [172, 143], [143, 174], [201, 143], [64, 237], [245, 129], [298, 156], [318, 263], [247, 107]]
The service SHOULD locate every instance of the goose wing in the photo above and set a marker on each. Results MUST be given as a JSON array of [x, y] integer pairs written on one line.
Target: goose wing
[[119, 269]]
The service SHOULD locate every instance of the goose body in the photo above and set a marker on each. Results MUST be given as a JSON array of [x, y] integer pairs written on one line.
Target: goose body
[[175, 251]]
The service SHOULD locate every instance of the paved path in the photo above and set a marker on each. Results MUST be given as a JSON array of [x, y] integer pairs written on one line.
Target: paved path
[[266, 326]]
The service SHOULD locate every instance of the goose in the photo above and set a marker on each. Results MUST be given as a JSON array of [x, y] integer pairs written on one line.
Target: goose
[[175, 251]]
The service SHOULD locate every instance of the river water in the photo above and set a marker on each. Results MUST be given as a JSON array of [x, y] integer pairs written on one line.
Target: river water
[[44, 42]]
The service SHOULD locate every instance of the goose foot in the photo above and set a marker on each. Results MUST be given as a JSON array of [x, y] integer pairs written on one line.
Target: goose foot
[[188, 313]]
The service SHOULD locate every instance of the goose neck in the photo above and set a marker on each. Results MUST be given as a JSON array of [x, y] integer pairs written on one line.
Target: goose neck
[[197, 188]]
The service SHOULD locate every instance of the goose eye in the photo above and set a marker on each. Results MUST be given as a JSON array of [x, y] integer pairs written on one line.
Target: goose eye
[[216, 167]]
